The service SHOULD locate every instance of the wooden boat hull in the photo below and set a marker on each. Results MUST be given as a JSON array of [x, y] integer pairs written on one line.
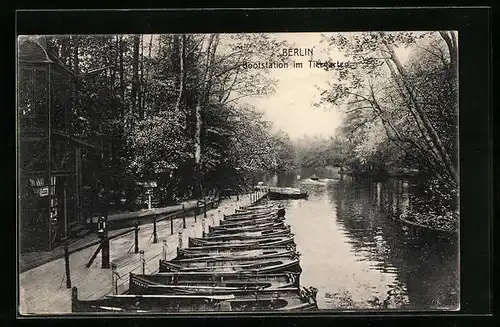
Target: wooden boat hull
[[234, 280], [264, 267], [221, 230], [250, 216], [252, 212], [251, 256], [247, 235], [269, 241], [285, 196], [202, 251], [249, 222], [285, 300], [258, 207], [242, 247]]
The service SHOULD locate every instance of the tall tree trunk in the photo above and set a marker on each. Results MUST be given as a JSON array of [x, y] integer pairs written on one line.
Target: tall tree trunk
[[140, 89], [421, 113], [135, 77], [182, 53], [115, 64], [198, 190], [76, 60], [122, 73], [145, 95]]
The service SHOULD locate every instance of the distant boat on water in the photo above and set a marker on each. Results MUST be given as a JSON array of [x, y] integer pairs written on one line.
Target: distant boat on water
[[314, 177], [283, 193]]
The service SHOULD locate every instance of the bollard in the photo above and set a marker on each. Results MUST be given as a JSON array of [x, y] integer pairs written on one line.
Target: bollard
[[164, 249], [143, 262], [66, 263], [180, 239], [172, 226], [136, 239], [114, 280], [105, 252], [205, 208], [184, 222], [155, 235]]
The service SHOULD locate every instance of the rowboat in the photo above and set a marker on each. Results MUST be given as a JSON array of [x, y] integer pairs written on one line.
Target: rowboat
[[148, 303], [243, 213], [278, 193], [229, 279], [218, 230], [278, 240], [248, 235], [249, 256], [278, 265], [251, 221], [287, 242], [258, 207], [251, 215], [235, 231], [288, 300], [201, 252], [240, 212], [152, 284]]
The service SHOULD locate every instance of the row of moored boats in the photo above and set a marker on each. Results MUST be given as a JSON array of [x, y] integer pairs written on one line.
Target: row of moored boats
[[247, 263]]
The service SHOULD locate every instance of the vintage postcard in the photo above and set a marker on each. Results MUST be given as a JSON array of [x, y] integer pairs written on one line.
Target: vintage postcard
[[246, 172]]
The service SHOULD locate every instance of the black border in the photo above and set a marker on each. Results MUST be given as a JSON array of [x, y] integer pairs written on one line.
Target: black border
[[474, 26]]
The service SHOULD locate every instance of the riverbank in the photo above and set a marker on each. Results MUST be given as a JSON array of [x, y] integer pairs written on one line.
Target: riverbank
[[42, 290]]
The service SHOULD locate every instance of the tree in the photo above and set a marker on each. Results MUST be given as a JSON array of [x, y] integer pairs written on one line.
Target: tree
[[381, 90]]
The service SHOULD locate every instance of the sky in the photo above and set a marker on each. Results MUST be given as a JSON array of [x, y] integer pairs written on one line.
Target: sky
[[291, 107]]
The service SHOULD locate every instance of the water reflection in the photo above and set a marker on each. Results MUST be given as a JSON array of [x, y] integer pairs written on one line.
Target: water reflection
[[360, 258]]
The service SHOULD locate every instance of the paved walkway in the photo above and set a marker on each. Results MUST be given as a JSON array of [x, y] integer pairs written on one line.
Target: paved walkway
[[42, 290], [33, 259]]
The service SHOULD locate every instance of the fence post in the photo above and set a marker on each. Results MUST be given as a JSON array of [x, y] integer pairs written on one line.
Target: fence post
[[155, 235], [203, 227], [105, 251], [143, 262], [172, 226], [196, 209], [136, 238], [114, 280], [164, 249], [205, 208], [180, 239], [66, 262]]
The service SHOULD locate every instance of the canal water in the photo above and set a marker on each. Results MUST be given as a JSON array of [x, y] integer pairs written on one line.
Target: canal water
[[358, 257]]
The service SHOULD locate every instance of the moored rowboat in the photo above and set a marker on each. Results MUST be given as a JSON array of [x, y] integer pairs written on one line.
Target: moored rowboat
[[248, 235], [251, 256], [264, 266], [251, 221], [277, 193], [284, 300], [269, 241], [201, 252], [224, 230]]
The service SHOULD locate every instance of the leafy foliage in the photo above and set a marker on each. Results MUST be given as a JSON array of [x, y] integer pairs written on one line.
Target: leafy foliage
[[148, 101]]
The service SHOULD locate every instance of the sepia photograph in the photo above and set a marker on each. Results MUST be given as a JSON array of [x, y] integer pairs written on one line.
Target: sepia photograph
[[238, 172]]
